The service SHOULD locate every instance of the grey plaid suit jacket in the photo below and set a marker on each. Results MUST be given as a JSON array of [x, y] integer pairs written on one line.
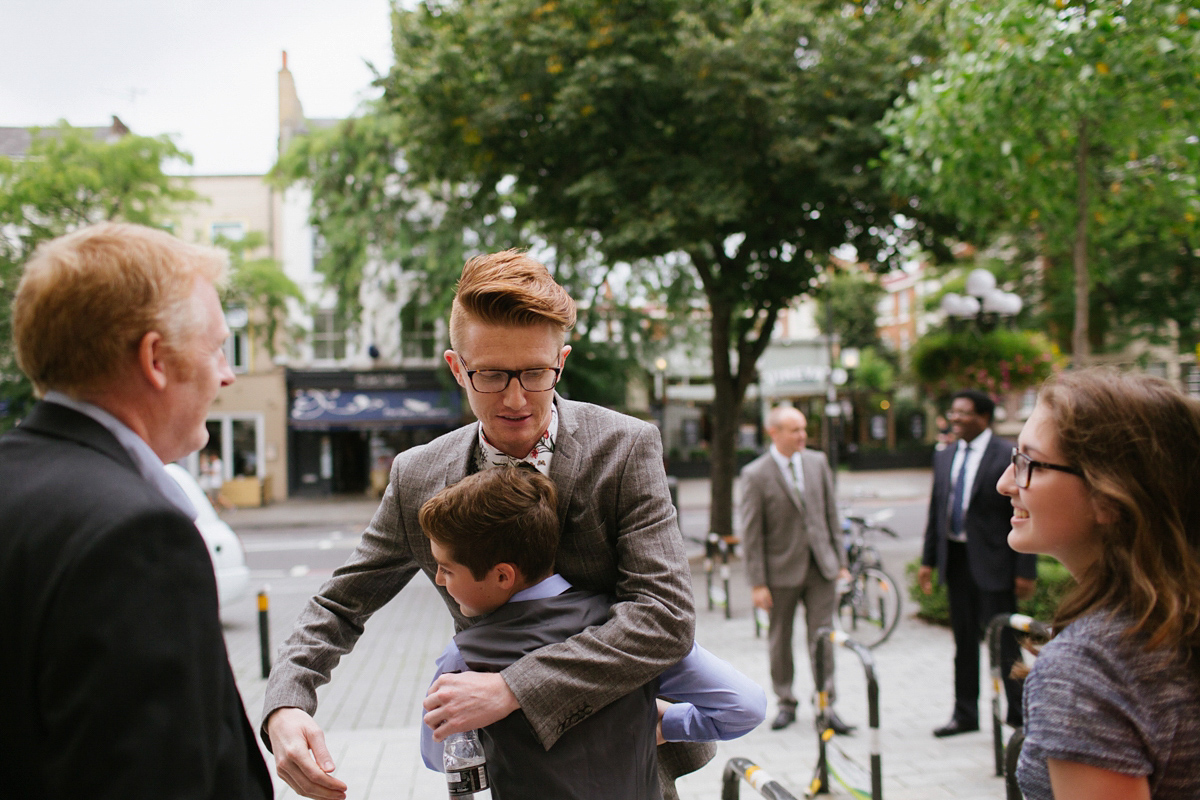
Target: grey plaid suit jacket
[[619, 535]]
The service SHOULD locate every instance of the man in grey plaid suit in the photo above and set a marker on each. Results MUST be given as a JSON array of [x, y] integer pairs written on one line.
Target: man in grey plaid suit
[[619, 535]]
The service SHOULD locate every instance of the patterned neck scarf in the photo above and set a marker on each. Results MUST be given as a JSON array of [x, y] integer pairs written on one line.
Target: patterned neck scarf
[[489, 456]]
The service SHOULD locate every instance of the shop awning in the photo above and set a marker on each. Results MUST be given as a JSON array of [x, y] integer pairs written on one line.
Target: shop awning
[[323, 409]]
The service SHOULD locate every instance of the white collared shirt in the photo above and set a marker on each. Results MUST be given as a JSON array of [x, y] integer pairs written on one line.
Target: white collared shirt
[[978, 445], [795, 479], [147, 462]]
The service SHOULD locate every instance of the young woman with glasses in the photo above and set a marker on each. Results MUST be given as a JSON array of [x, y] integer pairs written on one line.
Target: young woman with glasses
[[1106, 479]]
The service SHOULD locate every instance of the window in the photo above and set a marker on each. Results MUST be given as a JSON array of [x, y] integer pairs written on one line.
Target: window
[[232, 231], [236, 346], [417, 333], [328, 336]]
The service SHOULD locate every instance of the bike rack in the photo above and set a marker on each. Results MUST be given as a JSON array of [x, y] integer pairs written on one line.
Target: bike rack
[[1025, 624], [828, 637], [716, 545], [754, 775]]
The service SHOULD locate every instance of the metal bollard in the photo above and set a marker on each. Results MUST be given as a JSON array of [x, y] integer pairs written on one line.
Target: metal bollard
[[826, 638], [264, 634], [754, 775], [1025, 624]]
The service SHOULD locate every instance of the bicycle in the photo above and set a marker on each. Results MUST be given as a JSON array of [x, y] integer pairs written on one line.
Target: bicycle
[[869, 603]]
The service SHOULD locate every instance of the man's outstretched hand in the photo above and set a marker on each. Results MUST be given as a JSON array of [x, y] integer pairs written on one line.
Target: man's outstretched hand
[[301, 757]]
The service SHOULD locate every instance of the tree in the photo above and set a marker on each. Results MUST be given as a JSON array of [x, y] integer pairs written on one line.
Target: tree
[[726, 145], [1075, 121], [260, 287], [66, 180], [850, 303]]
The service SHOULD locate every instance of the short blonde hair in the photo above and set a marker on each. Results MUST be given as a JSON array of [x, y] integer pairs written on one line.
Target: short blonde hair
[[509, 288], [86, 299]]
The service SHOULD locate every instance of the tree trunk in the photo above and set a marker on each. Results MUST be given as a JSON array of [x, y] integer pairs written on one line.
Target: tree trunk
[[1080, 345], [725, 407]]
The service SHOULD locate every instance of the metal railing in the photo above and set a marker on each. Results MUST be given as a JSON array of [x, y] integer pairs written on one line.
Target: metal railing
[[756, 776], [1005, 757], [847, 772]]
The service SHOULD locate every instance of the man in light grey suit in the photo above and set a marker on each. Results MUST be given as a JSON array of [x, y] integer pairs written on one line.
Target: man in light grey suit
[[619, 535], [792, 538]]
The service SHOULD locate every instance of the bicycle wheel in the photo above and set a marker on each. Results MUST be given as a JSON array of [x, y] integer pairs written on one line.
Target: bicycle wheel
[[869, 607]]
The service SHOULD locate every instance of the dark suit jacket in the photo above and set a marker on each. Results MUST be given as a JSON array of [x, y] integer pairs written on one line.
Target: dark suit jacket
[[620, 536], [608, 756], [994, 565], [115, 681]]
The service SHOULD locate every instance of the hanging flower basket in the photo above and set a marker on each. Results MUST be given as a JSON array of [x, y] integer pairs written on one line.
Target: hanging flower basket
[[998, 361]]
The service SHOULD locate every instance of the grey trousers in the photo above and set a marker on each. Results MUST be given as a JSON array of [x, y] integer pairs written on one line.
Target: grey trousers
[[819, 597]]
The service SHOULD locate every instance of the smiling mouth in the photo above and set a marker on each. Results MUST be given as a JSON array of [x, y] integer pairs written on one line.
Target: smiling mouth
[[1020, 513]]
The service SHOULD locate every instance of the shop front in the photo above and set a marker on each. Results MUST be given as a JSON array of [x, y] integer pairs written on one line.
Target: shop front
[[345, 426]]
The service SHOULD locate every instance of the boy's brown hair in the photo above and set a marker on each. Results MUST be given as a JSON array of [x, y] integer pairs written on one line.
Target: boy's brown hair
[[500, 515]]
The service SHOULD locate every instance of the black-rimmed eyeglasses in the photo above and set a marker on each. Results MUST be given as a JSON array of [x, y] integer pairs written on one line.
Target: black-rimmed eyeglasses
[[1023, 468], [491, 381]]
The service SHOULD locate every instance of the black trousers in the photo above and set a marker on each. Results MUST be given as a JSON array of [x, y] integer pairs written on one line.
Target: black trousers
[[971, 609]]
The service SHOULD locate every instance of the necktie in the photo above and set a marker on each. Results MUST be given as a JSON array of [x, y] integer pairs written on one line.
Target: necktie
[[956, 495]]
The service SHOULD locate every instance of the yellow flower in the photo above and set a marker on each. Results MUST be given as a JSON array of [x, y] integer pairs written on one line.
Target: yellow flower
[[1101, 67], [1168, 103]]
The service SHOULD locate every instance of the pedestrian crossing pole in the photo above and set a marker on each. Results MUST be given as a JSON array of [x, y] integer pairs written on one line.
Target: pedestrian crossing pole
[[264, 634]]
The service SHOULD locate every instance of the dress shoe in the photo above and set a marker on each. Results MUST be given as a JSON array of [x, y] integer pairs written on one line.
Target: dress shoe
[[785, 717], [955, 727], [838, 726]]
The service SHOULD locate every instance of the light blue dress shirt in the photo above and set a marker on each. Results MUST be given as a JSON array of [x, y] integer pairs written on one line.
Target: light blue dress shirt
[[713, 701]]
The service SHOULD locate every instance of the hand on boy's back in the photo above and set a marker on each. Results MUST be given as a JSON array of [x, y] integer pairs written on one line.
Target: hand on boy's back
[[663, 705], [466, 701]]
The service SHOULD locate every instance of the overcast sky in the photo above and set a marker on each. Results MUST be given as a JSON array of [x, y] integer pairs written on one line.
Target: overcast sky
[[204, 71]]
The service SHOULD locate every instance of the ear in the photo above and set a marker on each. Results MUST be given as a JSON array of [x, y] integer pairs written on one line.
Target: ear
[[151, 360], [506, 575], [455, 367], [562, 355]]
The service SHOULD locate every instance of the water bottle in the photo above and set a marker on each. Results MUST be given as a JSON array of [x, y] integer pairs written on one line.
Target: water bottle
[[466, 767]]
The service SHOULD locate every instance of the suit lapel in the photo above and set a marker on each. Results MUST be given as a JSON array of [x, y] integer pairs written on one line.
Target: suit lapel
[[564, 466], [785, 486], [985, 468]]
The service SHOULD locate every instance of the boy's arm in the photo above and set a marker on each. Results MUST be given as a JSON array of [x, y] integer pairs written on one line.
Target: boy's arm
[[450, 660], [712, 700]]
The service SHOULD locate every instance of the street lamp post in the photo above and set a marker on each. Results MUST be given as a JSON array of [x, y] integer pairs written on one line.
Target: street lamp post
[[983, 302]]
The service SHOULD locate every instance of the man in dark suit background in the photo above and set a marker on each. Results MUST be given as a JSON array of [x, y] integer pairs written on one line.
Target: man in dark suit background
[[966, 539], [115, 681], [792, 535]]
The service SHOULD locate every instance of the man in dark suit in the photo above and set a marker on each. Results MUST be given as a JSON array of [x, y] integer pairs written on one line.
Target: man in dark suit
[[792, 538], [620, 535], [966, 539], [115, 681]]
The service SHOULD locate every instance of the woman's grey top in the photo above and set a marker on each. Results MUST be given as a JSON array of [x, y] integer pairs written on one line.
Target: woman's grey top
[[1096, 697]]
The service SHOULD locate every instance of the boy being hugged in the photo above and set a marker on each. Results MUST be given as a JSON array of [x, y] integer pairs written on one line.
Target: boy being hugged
[[495, 536]]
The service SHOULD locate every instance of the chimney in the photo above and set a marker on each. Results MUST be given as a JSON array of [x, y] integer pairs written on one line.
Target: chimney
[[291, 115]]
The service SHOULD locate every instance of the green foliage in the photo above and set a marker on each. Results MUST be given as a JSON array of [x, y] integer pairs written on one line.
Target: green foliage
[[849, 301], [875, 372], [726, 145], [260, 287], [1053, 582], [69, 179], [597, 373], [997, 361], [1072, 123]]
